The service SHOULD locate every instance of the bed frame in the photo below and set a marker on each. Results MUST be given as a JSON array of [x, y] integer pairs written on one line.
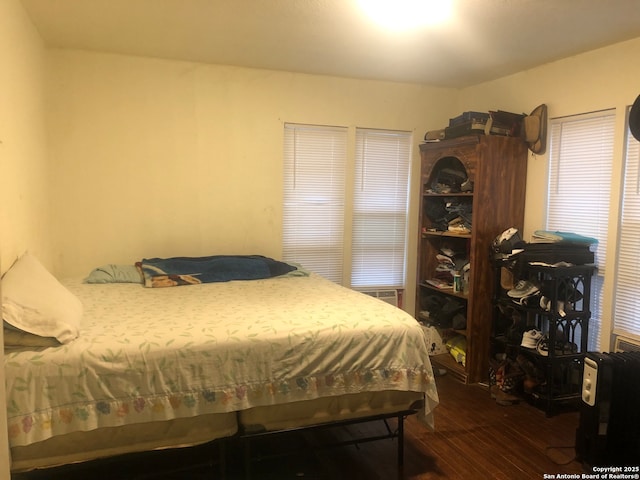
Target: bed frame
[[397, 433]]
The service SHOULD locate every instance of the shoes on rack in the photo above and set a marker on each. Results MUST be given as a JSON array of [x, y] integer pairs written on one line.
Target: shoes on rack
[[561, 348], [531, 339], [505, 378], [530, 301], [506, 278], [543, 346], [533, 376], [522, 289], [561, 306]]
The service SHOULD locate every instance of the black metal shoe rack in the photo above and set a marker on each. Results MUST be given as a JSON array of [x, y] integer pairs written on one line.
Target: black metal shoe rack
[[562, 316]]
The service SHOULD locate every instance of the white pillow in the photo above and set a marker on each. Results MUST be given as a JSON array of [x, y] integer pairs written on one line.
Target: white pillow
[[35, 302], [112, 273]]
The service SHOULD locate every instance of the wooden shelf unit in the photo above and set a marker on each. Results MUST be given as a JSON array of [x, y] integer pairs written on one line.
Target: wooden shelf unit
[[497, 167]]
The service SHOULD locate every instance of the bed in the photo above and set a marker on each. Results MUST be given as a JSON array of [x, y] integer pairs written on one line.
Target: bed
[[155, 368]]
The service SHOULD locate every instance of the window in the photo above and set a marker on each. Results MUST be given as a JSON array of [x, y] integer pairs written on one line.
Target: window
[[626, 301], [313, 219], [316, 175], [380, 208], [580, 164]]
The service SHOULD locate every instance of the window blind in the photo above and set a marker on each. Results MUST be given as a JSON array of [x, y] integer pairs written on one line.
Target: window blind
[[314, 195], [579, 189], [380, 208], [626, 301]]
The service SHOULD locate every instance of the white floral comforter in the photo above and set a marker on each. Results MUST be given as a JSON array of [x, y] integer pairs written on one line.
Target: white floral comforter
[[158, 354]]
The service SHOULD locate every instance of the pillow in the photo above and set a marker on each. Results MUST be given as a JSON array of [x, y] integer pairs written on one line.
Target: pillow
[[35, 302], [300, 271], [114, 274]]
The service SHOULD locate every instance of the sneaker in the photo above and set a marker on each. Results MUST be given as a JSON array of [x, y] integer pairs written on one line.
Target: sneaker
[[531, 338], [543, 346], [545, 304], [523, 289], [528, 301], [458, 228], [562, 348]]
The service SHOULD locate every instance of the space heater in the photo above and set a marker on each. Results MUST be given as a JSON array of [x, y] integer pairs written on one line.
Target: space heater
[[608, 432]]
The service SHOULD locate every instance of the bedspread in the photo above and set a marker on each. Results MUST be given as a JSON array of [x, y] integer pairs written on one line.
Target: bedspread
[[156, 354]]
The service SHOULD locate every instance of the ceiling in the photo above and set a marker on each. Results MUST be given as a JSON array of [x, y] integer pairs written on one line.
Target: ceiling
[[487, 39]]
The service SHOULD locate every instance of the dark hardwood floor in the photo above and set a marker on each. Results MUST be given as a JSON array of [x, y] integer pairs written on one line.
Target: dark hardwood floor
[[474, 439]]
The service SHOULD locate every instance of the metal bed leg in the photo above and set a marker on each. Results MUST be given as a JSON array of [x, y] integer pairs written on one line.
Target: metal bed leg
[[247, 457], [222, 458], [400, 442]]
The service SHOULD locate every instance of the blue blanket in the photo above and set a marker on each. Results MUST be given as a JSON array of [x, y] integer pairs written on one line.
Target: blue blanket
[[169, 272]]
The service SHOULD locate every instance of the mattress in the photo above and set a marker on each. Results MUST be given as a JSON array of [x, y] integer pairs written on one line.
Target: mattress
[[160, 354]]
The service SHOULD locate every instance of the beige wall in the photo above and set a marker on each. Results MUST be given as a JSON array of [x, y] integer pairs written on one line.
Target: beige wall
[[600, 79], [161, 158], [24, 182], [23, 162]]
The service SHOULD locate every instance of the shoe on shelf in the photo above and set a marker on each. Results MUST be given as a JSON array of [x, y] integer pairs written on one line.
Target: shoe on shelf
[[531, 339], [528, 301], [543, 346], [561, 348], [523, 288], [545, 304]]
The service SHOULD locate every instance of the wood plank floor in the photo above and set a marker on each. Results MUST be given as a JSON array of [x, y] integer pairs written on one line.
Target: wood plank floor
[[474, 439]]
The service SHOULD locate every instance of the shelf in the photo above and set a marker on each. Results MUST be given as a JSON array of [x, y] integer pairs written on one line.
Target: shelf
[[446, 361], [426, 322], [548, 358], [442, 233], [496, 166], [453, 194], [445, 291], [507, 301], [568, 271]]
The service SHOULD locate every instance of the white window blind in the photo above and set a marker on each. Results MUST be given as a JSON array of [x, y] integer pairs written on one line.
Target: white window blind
[[580, 164], [626, 300], [380, 208], [314, 192]]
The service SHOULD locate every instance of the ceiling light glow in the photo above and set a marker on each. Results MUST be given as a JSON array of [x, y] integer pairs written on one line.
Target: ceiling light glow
[[399, 15]]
